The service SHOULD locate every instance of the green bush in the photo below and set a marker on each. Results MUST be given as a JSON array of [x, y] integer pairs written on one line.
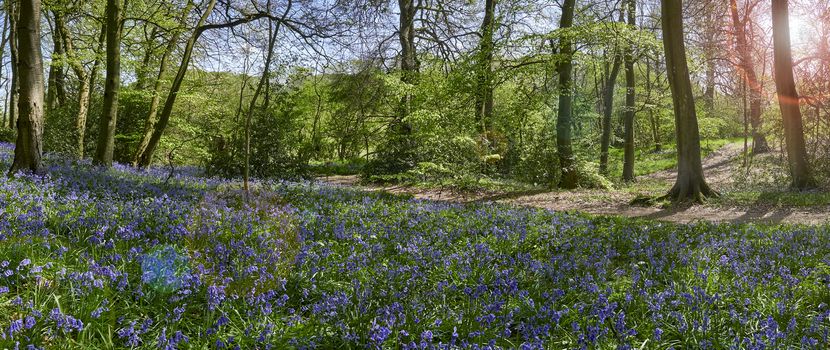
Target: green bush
[[8, 135]]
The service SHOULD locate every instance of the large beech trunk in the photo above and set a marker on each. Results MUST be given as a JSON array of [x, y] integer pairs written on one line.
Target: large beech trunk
[[788, 98], [691, 183], [29, 145], [109, 116], [630, 99], [570, 174]]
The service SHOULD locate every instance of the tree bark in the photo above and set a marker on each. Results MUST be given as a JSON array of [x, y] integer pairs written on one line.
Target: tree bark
[[788, 98], [709, 91], [608, 112], [263, 80], [746, 65], [150, 122], [56, 90], [3, 41], [484, 92], [109, 116], [29, 145], [711, 31], [570, 175], [409, 62], [630, 99], [397, 154], [11, 9], [142, 73], [690, 183], [654, 118], [85, 81]]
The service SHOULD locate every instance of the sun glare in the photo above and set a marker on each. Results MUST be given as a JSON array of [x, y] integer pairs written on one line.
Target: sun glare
[[800, 30]]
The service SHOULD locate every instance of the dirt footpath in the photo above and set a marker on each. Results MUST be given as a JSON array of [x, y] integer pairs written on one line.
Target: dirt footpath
[[720, 168]]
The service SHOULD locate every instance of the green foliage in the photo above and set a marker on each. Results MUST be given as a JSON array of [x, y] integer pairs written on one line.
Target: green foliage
[[336, 167], [60, 133], [8, 135], [647, 161]]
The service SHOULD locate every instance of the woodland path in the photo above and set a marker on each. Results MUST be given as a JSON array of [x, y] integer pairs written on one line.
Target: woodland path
[[721, 168]]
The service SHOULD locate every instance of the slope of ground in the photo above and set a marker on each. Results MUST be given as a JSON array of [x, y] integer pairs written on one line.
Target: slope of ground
[[723, 169]]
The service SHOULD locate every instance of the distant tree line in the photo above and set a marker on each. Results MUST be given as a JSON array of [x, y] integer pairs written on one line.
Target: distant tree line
[[521, 89]]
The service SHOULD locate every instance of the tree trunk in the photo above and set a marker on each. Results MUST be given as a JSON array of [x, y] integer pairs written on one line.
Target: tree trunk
[[397, 154], [263, 80], [709, 91], [56, 90], [654, 118], [484, 92], [755, 92], [142, 73], [630, 99], [85, 80], [109, 116], [570, 175], [409, 62], [3, 40], [150, 122], [11, 9], [710, 32], [690, 183], [788, 98], [608, 112], [29, 145], [145, 158]]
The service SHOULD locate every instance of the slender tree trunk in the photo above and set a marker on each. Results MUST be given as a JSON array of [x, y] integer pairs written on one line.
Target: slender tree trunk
[[150, 122], [146, 157], [142, 73], [263, 80], [236, 119], [788, 98], [755, 92], [630, 99], [608, 90], [29, 146], [398, 152], [56, 90], [654, 119], [709, 91], [710, 33], [409, 60], [570, 175], [109, 116], [690, 183], [3, 40], [484, 92], [12, 9], [85, 80], [608, 112]]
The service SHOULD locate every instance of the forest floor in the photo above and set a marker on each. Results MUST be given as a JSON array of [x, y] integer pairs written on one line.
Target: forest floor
[[741, 201]]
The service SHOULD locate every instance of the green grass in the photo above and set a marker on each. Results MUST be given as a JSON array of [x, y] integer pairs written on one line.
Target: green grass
[[648, 162], [774, 198], [336, 167]]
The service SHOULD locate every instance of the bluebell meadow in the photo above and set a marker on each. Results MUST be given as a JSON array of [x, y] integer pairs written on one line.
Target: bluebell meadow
[[123, 258]]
